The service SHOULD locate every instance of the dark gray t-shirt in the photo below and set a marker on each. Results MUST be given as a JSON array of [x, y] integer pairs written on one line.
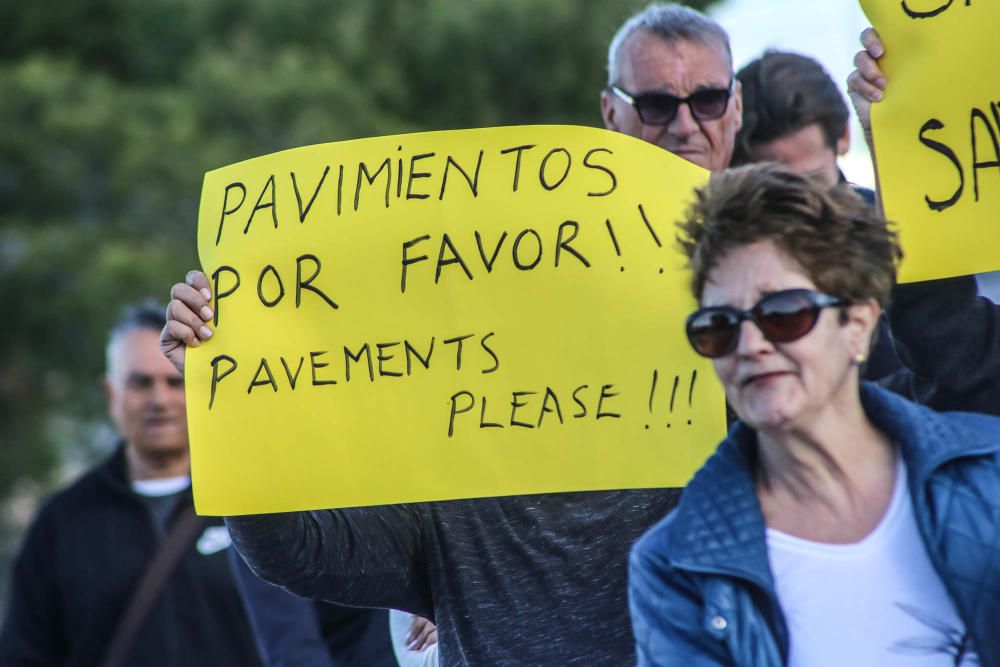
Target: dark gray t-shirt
[[521, 580]]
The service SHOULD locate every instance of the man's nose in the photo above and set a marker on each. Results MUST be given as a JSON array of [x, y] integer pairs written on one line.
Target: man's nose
[[160, 393], [684, 123]]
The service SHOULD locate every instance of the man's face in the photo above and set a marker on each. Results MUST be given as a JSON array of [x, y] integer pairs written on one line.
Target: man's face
[[804, 151], [649, 63], [146, 396]]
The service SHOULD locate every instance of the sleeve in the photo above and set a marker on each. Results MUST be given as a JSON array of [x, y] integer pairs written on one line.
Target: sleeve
[[666, 615], [950, 336], [284, 624], [32, 634], [364, 557]]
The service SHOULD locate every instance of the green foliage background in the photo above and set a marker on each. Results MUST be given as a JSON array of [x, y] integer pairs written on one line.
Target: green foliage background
[[113, 109]]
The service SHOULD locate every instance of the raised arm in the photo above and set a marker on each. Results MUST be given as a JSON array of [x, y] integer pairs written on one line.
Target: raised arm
[[944, 332], [364, 557], [950, 336]]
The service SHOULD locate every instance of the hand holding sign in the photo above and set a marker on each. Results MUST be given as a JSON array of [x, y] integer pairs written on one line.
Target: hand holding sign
[[442, 315], [189, 318], [867, 83], [937, 133]]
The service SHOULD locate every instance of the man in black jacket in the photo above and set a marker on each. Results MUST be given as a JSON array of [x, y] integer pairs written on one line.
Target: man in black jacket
[[91, 543]]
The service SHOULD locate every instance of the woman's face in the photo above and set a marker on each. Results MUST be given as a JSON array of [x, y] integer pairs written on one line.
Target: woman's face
[[780, 386]]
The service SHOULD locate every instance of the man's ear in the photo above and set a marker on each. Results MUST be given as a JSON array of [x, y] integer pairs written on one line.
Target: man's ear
[[844, 142], [608, 111], [106, 389]]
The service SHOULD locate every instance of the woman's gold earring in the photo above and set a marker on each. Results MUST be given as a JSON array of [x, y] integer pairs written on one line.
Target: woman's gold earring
[[860, 358]]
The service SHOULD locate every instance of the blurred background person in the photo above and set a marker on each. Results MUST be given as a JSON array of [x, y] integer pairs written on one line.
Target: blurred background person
[[794, 114], [837, 523], [117, 569]]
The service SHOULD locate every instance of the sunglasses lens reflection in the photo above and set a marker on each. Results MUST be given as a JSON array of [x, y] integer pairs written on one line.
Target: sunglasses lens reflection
[[709, 104], [713, 333], [657, 109], [786, 317], [782, 317]]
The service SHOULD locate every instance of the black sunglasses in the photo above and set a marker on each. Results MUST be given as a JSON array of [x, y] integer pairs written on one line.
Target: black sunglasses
[[656, 108], [781, 316]]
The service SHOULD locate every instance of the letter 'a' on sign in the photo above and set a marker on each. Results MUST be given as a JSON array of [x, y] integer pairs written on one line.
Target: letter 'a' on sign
[[446, 315], [937, 133]]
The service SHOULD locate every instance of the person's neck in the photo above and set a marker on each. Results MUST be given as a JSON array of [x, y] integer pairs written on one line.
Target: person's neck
[[143, 467], [828, 480]]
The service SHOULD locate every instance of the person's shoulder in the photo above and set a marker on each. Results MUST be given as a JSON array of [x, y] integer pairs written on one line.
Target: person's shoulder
[[985, 426], [867, 194], [967, 424], [652, 550], [657, 543], [93, 485], [719, 496]]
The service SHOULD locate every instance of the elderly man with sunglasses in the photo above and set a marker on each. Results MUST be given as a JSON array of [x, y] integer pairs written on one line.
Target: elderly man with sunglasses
[[671, 83]]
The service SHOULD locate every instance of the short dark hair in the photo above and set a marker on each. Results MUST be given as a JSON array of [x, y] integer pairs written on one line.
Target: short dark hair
[[146, 314], [845, 247], [783, 93]]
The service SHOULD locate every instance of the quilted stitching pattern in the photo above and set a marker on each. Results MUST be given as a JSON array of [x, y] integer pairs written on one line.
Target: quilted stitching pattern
[[954, 473]]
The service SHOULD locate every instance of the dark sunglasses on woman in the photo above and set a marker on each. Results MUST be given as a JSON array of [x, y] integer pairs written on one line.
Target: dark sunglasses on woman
[[656, 108], [782, 317]]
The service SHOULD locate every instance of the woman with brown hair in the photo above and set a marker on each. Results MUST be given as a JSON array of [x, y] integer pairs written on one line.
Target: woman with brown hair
[[837, 523]]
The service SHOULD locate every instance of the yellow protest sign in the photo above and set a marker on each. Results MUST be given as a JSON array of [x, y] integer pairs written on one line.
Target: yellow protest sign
[[446, 315], [936, 133]]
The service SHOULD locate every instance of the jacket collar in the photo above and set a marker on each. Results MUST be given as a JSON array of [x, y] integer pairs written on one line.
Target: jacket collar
[[927, 439], [719, 527], [114, 470]]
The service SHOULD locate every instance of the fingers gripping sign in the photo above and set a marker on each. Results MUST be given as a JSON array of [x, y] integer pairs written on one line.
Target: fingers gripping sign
[[189, 313]]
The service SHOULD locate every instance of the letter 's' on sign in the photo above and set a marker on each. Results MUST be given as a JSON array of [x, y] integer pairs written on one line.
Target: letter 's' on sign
[[937, 134], [446, 315]]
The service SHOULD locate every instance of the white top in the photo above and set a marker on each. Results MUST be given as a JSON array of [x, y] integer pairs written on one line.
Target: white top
[[399, 627], [165, 486], [876, 602]]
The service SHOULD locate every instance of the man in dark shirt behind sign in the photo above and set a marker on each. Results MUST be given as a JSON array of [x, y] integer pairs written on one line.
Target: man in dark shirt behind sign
[[523, 580]]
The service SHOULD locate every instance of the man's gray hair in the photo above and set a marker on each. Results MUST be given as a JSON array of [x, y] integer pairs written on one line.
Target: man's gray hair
[[145, 315], [672, 23]]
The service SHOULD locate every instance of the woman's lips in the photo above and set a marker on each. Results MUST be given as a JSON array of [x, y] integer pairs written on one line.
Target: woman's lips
[[761, 378]]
